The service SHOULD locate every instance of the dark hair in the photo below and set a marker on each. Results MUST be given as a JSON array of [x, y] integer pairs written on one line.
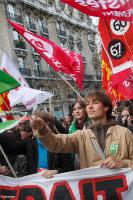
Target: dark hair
[[125, 103], [80, 102], [104, 99], [25, 128], [118, 103]]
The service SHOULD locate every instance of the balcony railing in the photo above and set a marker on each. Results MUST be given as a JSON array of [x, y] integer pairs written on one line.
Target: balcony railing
[[16, 18], [25, 71], [45, 75], [20, 44], [39, 74]]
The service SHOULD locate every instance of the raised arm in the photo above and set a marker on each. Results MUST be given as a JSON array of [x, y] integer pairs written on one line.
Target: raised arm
[[59, 143]]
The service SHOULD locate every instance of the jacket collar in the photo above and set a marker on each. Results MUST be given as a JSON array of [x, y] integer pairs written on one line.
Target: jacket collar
[[111, 130]]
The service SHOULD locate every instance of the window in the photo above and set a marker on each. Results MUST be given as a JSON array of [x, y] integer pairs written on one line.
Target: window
[[30, 22], [21, 62], [16, 36], [60, 26], [42, 23], [11, 9], [37, 65], [43, 26]]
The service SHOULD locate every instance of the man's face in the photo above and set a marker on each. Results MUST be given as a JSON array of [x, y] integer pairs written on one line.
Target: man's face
[[95, 109], [25, 135]]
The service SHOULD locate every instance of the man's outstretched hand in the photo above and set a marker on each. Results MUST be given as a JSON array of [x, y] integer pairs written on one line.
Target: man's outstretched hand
[[37, 123]]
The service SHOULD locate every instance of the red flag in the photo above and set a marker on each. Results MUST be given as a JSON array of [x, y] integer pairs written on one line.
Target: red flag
[[117, 41], [60, 59], [126, 87], [117, 9], [114, 94]]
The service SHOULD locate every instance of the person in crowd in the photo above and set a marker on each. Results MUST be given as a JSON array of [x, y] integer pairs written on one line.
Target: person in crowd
[[125, 104], [103, 143], [37, 155], [126, 119], [118, 111], [80, 116], [25, 131], [63, 123], [80, 119], [18, 162], [68, 120]]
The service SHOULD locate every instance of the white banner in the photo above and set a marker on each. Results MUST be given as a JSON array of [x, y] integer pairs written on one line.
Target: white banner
[[87, 184]]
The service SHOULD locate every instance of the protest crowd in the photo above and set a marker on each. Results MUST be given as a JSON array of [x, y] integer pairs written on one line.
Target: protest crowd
[[88, 153], [42, 143]]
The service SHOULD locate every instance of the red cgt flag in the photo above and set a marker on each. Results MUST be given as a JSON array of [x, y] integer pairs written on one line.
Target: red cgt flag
[[117, 9], [60, 59]]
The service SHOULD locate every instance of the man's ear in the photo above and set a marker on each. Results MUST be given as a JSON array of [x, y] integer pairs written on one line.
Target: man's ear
[[106, 108]]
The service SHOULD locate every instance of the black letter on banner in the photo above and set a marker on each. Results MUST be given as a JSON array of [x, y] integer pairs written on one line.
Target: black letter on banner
[[112, 187], [33, 192], [62, 191], [86, 190]]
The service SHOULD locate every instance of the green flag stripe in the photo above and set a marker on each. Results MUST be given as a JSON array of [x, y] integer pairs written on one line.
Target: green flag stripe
[[7, 82], [8, 125]]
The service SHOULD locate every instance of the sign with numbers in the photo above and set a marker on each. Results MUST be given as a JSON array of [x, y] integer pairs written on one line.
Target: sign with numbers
[[119, 27], [117, 42], [116, 49]]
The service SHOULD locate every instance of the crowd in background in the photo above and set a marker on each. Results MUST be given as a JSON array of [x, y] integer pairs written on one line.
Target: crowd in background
[[27, 155]]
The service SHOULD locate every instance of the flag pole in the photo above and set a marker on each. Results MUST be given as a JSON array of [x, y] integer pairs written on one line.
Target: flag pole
[[69, 84], [8, 162], [1, 149], [50, 106]]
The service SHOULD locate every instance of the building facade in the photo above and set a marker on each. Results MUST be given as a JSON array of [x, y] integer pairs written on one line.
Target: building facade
[[62, 24]]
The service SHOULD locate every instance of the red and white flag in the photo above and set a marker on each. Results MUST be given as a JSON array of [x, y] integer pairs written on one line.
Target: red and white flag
[[116, 9], [60, 59], [117, 42]]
